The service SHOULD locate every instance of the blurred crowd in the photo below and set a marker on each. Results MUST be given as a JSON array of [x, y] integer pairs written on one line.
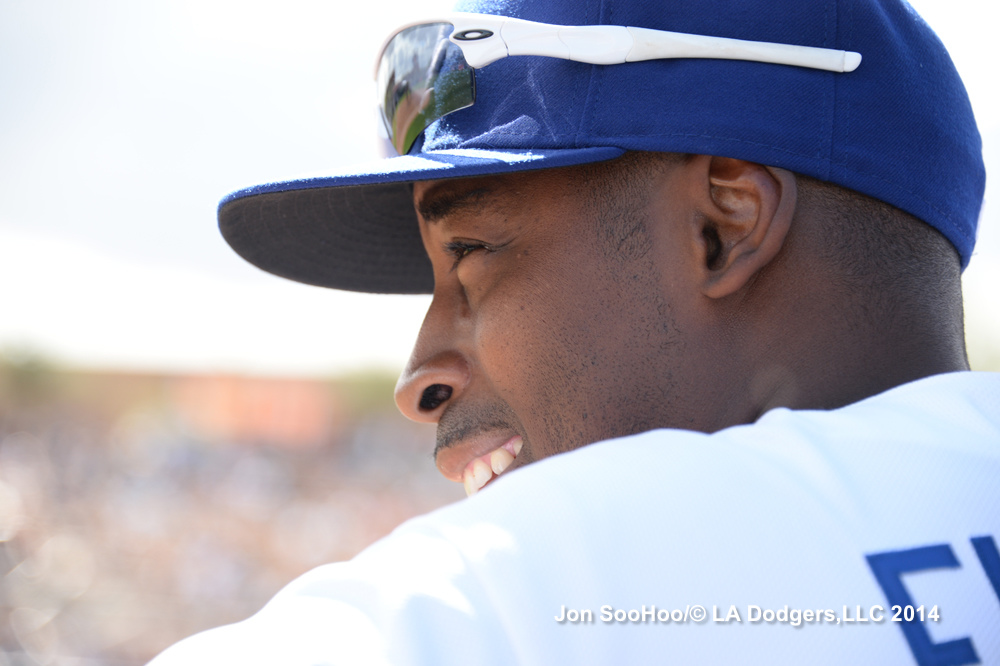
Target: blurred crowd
[[138, 509]]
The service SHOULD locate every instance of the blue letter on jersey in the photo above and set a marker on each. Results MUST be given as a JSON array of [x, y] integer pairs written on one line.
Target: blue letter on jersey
[[888, 567], [986, 550]]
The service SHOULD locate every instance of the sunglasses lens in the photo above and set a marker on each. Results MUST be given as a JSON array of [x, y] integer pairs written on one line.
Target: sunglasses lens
[[422, 76]]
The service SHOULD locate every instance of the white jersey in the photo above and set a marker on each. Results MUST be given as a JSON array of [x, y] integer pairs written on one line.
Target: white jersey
[[809, 537]]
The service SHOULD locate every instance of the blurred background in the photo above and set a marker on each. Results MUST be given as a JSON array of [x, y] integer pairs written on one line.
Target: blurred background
[[181, 434]]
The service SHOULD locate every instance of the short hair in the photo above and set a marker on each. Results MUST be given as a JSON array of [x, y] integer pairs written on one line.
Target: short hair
[[869, 237], [895, 268], [617, 194]]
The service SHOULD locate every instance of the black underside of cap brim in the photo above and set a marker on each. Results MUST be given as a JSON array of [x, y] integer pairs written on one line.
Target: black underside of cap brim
[[358, 231], [358, 238]]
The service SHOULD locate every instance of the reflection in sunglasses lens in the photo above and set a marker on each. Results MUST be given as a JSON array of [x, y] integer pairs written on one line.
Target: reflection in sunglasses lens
[[422, 77]]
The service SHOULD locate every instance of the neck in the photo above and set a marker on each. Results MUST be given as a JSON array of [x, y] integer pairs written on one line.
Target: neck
[[841, 359]]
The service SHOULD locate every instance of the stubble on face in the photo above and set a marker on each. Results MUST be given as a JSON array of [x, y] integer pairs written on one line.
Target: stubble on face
[[466, 420]]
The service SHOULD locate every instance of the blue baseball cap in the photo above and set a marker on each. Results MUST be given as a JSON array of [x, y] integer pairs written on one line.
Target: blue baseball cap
[[899, 128]]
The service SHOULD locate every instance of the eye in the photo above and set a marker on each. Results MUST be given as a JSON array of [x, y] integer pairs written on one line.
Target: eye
[[461, 249]]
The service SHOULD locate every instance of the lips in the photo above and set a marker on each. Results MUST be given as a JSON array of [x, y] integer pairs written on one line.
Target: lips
[[476, 442], [487, 467]]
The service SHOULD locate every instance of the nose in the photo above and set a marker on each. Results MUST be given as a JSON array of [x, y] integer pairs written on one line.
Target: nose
[[437, 372]]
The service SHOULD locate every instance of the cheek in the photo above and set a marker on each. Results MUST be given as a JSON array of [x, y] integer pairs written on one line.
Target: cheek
[[583, 352], [542, 342], [515, 335]]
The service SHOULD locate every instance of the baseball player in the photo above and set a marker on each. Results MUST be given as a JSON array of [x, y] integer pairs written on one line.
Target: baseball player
[[695, 345]]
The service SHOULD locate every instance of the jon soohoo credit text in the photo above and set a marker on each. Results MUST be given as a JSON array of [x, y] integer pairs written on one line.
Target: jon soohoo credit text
[[751, 614]]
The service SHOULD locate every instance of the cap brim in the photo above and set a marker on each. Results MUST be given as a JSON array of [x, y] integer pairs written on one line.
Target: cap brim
[[357, 230]]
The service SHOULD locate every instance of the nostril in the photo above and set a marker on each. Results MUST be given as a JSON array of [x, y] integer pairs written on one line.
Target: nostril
[[433, 396]]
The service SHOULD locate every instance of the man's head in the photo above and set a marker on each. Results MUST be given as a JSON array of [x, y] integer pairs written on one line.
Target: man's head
[[679, 242], [661, 290]]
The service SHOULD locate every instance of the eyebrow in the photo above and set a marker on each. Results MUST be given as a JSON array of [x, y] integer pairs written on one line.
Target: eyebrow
[[436, 204]]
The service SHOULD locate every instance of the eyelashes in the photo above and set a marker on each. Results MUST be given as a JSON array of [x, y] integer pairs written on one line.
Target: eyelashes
[[459, 249]]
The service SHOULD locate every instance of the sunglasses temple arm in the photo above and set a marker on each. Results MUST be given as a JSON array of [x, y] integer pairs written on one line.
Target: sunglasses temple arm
[[609, 45], [655, 44], [592, 44]]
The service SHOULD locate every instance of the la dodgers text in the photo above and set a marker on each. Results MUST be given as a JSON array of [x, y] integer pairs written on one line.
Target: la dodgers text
[[751, 614]]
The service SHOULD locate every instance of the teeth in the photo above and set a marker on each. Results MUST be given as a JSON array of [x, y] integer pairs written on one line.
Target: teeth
[[500, 460], [481, 470], [470, 488], [476, 476]]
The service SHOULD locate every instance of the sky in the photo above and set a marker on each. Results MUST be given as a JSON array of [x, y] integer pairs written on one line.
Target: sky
[[122, 124]]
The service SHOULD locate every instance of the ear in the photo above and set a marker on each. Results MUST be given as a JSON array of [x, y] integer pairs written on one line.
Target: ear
[[747, 209]]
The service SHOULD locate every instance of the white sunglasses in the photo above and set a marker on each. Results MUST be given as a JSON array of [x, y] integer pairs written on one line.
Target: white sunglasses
[[425, 70]]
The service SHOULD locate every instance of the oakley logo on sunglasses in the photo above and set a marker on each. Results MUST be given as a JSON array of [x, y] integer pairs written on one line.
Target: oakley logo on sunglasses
[[469, 35], [426, 71]]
